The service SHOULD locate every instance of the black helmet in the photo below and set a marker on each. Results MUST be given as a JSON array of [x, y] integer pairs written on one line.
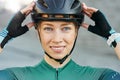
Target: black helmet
[[58, 7]]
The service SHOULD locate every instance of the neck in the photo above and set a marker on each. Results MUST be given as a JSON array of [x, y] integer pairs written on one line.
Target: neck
[[54, 63]]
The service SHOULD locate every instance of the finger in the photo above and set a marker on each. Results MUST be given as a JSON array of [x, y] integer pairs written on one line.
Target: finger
[[28, 9], [91, 9], [85, 25], [84, 6], [1, 49], [86, 10], [87, 13], [30, 25]]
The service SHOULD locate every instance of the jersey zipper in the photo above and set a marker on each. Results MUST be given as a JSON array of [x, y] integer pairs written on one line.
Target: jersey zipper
[[56, 74]]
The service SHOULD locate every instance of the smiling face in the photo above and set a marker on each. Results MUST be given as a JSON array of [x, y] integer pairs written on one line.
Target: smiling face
[[57, 37]]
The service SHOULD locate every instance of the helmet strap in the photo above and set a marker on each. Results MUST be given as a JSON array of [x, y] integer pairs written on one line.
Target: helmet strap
[[58, 60]]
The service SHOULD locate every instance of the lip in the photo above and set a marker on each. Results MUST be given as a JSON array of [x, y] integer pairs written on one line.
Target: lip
[[57, 49]]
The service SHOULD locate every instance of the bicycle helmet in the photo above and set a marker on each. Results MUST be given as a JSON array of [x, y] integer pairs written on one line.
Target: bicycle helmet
[[67, 8]]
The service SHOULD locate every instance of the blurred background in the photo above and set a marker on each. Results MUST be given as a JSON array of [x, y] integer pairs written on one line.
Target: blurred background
[[90, 50]]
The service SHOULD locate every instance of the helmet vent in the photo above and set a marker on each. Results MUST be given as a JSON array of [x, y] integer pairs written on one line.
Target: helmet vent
[[76, 2], [43, 3]]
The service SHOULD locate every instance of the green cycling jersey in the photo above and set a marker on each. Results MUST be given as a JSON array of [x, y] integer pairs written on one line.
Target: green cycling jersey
[[71, 71]]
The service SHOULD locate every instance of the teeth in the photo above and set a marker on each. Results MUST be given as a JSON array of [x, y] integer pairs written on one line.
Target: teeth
[[57, 49]]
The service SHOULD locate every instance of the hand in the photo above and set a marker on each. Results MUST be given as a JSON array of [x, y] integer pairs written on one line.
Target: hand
[[14, 27], [101, 27]]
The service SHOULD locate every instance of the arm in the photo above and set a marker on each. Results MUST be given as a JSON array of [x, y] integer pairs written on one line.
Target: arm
[[117, 49], [14, 28], [102, 27]]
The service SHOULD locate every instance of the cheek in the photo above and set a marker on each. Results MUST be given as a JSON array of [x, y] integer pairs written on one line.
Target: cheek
[[71, 38], [45, 40]]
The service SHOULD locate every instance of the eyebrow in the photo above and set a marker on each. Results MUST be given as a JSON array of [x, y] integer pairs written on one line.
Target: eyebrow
[[47, 24], [66, 23]]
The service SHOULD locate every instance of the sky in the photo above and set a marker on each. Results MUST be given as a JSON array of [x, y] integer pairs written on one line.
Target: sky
[[13, 5]]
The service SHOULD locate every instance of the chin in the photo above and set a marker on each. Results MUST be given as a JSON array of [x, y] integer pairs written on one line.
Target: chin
[[59, 56]]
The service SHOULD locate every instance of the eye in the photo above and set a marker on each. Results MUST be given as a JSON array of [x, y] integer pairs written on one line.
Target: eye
[[48, 29], [66, 28]]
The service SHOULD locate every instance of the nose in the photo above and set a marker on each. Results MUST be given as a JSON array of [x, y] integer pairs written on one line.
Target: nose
[[57, 37]]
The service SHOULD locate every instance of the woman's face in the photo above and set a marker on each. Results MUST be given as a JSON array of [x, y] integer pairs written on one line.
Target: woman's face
[[57, 37]]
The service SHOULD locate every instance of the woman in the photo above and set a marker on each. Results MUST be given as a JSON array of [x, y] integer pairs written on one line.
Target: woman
[[57, 23]]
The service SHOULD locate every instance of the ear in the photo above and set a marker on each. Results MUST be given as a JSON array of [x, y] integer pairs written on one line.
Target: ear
[[36, 26], [77, 29]]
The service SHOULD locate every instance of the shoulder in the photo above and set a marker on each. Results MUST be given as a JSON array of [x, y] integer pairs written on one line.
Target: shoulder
[[87, 69], [110, 74], [97, 73], [102, 73], [5, 75], [14, 73]]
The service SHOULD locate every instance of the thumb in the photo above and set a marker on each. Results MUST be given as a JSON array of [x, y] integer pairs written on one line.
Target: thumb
[[1, 49], [30, 24], [85, 25]]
